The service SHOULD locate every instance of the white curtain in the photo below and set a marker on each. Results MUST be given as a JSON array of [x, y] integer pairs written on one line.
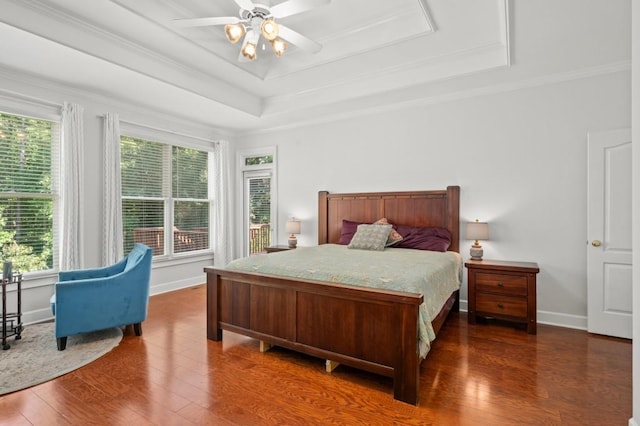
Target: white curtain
[[222, 216], [113, 240], [71, 161]]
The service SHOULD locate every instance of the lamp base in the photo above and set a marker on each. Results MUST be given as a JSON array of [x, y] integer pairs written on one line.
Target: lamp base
[[293, 241], [476, 252]]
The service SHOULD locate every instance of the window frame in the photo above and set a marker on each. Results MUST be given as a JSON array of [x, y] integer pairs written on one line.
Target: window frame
[[170, 139], [40, 110], [244, 171]]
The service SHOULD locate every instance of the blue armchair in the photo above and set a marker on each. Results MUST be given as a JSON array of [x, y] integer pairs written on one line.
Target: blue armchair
[[94, 299]]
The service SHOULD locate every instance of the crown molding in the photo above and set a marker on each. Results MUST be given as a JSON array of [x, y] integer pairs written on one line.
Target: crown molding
[[462, 62], [125, 109], [340, 114], [121, 52]]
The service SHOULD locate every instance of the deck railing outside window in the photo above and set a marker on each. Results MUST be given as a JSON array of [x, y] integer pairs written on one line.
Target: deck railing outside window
[[259, 238], [198, 239], [183, 240]]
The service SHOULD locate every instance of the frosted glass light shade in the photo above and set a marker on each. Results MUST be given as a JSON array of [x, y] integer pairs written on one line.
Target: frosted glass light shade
[[269, 29], [234, 32], [249, 50], [279, 46]]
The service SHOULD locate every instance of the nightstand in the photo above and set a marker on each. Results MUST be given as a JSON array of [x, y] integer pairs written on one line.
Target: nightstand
[[275, 249], [502, 290]]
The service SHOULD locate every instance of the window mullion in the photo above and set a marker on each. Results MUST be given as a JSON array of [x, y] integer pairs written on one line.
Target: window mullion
[[167, 193]]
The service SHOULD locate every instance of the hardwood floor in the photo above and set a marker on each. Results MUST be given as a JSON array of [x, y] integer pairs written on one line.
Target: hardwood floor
[[484, 374]]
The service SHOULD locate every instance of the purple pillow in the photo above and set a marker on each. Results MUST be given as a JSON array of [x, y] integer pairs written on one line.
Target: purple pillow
[[349, 229], [434, 239]]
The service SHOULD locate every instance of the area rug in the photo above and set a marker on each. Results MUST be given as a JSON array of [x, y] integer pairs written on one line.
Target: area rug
[[35, 358]]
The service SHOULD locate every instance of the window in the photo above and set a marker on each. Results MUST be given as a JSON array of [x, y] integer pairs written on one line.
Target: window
[[28, 192], [165, 196], [257, 160]]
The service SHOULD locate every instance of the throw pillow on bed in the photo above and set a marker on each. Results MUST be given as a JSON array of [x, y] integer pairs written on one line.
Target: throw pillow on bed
[[394, 236], [370, 237]]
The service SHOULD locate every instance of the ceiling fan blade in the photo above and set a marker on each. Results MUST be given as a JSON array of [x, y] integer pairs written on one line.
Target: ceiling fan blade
[[293, 7], [298, 39], [245, 4], [204, 22]]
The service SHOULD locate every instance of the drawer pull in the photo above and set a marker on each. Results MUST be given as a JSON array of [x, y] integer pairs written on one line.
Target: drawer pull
[[500, 305], [500, 284]]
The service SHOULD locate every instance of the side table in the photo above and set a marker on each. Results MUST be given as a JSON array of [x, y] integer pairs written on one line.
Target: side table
[[11, 321], [275, 249], [503, 289]]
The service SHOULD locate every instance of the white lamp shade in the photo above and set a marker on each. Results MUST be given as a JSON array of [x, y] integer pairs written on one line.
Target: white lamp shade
[[292, 226], [477, 231]]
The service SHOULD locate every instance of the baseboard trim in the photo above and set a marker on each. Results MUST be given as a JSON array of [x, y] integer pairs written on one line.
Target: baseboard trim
[[37, 316], [175, 285], [578, 322], [632, 422]]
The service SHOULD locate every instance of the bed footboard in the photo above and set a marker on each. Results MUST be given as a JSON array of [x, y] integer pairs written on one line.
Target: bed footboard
[[369, 329]]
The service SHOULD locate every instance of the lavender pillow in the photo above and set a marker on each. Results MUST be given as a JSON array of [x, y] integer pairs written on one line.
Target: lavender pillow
[[349, 229], [434, 239]]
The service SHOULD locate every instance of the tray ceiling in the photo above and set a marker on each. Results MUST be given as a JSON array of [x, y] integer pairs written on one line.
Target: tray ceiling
[[132, 50]]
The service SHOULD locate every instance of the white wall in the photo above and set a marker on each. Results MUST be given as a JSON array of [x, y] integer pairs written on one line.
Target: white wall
[[519, 157], [166, 275]]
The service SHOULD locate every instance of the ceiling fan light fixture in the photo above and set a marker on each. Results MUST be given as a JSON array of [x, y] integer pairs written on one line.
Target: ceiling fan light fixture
[[269, 29], [249, 50], [279, 46], [234, 32]]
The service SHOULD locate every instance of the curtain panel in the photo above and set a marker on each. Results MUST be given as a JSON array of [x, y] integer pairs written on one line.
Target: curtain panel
[[222, 214], [71, 162], [113, 249]]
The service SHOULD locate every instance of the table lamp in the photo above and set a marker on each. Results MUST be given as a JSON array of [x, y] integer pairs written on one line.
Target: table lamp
[[477, 231], [292, 227]]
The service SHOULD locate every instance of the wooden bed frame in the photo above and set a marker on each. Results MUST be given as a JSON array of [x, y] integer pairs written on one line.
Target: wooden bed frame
[[356, 326]]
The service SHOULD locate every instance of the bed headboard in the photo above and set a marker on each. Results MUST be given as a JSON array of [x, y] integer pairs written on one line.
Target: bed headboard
[[439, 208]]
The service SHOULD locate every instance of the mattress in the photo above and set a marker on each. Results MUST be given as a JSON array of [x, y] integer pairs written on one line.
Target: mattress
[[435, 275]]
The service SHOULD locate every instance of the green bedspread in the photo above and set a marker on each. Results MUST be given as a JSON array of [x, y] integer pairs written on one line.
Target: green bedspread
[[435, 275]]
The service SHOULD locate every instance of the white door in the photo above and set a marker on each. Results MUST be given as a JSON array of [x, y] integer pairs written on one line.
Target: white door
[[609, 233]]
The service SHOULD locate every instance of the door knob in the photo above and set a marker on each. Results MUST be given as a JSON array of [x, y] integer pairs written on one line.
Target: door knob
[[596, 243]]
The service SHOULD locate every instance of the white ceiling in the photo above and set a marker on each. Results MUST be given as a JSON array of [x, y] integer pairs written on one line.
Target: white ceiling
[[374, 52]]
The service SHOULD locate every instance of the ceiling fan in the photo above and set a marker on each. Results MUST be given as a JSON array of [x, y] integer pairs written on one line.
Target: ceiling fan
[[259, 20]]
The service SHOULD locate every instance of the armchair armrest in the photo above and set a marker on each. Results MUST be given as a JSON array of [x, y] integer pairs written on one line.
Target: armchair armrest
[[85, 274]]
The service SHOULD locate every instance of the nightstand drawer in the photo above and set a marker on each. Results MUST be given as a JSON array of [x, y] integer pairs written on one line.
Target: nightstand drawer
[[501, 305], [501, 283]]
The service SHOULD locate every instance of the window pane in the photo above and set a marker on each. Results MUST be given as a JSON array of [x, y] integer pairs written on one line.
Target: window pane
[[190, 173], [264, 159], [26, 213], [141, 164], [25, 154], [191, 226], [26, 233], [259, 214], [143, 222]]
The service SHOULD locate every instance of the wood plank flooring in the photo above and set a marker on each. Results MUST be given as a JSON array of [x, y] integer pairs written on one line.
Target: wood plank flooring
[[485, 374]]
